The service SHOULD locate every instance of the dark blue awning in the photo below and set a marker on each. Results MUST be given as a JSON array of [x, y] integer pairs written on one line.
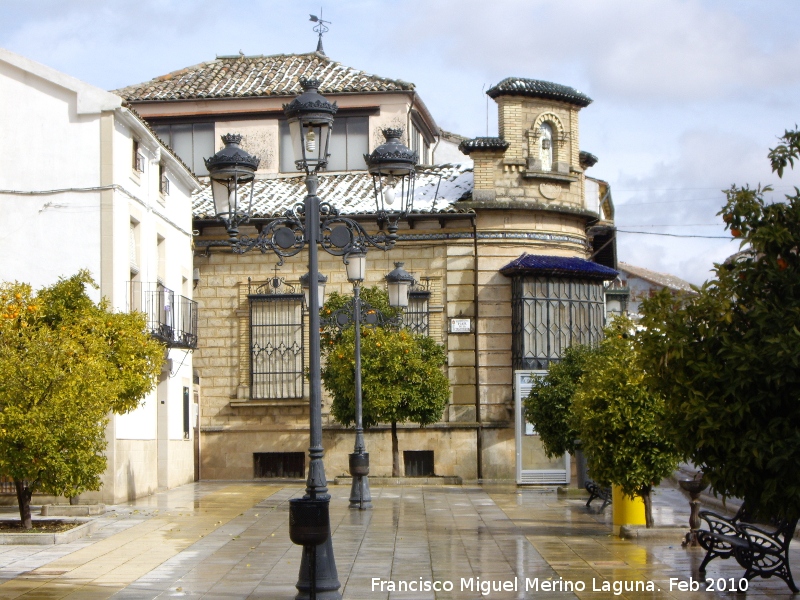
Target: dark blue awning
[[558, 266]]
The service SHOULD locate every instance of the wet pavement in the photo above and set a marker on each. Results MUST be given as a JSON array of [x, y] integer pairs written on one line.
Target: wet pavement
[[231, 540]]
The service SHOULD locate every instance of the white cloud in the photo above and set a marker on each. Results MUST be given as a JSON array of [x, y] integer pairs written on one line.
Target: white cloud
[[689, 94], [661, 52]]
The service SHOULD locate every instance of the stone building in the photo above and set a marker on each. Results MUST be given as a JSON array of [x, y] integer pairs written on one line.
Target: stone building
[[510, 256], [92, 187]]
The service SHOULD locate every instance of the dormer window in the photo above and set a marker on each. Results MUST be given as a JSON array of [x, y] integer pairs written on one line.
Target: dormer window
[[546, 146]]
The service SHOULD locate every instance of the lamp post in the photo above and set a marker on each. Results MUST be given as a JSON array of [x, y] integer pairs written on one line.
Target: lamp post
[[360, 496], [357, 312], [314, 223]]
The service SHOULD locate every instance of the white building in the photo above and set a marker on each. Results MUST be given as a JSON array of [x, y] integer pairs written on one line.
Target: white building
[[91, 186]]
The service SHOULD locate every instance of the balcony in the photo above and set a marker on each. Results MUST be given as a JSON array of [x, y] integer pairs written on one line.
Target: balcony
[[171, 318]]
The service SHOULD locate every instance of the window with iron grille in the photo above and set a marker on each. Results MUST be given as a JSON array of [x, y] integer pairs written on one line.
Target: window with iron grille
[[415, 315], [163, 181], [276, 346], [279, 465], [550, 314], [138, 158], [418, 463]]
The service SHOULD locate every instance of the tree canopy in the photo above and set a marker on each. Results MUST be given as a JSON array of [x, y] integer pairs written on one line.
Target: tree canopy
[[401, 374], [548, 407], [65, 364], [728, 360]]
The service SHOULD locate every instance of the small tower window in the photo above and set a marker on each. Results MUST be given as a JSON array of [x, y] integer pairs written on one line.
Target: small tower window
[[546, 146]]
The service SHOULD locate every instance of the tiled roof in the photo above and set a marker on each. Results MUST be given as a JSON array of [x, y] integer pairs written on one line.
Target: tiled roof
[[564, 266], [254, 76], [351, 192], [483, 143], [663, 279], [535, 88]]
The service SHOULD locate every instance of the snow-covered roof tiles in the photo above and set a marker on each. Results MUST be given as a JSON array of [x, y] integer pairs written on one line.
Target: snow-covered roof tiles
[[663, 279], [253, 76], [351, 192]]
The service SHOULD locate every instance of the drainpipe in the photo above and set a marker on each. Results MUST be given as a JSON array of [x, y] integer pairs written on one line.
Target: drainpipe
[[478, 419], [408, 117], [435, 146]]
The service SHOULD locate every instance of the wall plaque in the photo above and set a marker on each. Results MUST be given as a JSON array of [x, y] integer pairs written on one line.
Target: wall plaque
[[460, 325]]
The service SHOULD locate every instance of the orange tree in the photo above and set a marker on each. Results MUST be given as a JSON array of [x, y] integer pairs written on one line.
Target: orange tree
[[548, 407], [401, 376], [728, 360], [620, 418], [66, 363]]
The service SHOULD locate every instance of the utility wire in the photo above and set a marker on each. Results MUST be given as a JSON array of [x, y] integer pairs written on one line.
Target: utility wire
[[706, 237]]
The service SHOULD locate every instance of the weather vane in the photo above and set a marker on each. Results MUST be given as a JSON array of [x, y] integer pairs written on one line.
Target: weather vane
[[320, 28]]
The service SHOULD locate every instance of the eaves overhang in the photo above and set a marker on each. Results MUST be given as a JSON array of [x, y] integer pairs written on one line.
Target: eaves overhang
[[558, 266]]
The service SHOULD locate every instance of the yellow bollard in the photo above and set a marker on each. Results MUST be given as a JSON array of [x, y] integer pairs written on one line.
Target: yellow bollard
[[626, 510]]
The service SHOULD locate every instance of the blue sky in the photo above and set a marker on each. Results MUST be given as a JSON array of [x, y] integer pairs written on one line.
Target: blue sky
[[688, 94]]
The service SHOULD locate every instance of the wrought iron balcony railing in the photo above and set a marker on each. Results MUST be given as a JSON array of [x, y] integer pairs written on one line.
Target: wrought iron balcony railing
[[171, 318]]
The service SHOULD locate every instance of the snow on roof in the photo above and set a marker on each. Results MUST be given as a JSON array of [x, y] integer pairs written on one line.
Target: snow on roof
[[437, 189], [663, 279]]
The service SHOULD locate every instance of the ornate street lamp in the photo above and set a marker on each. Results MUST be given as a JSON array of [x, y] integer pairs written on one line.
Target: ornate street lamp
[[232, 171], [360, 496], [391, 165], [321, 281], [399, 283]]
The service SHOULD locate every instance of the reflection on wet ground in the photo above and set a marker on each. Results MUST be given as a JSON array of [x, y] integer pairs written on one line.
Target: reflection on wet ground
[[231, 540]]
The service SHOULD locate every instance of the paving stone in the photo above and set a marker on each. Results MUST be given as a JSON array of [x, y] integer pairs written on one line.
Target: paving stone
[[230, 540]]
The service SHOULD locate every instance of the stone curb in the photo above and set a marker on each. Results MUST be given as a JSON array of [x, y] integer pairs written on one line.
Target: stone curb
[[373, 481], [88, 527], [676, 532], [571, 492], [72, 510]]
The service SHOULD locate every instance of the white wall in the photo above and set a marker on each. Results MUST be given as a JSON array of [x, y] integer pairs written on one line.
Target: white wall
[[592, 195], [67, 138], [447, 152], [51, 147]]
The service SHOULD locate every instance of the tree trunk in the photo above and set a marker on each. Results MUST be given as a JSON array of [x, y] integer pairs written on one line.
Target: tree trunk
[[648, 506], [395, 452], [24, 499]]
